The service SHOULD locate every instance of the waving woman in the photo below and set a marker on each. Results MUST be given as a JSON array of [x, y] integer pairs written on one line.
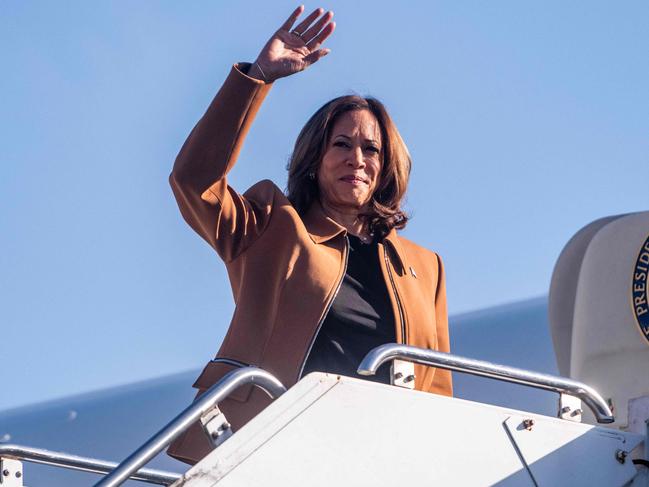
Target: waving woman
[[319, 274]]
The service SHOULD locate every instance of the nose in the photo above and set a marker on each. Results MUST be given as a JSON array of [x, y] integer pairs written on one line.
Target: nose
[[356, 159]]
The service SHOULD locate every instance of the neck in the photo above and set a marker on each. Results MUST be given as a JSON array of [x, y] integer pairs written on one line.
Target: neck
[[346, 218]]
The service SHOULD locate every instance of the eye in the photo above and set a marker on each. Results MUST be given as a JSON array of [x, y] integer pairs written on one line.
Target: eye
[[373, 148], [341, 143]]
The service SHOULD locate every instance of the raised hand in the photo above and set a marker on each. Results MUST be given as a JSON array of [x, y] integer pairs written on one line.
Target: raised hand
[[293, 49]]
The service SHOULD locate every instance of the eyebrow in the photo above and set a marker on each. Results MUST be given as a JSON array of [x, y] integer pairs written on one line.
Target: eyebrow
[[366, 140]]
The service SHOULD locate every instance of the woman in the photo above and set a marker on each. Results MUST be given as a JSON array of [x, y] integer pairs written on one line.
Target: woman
[[319, 276]]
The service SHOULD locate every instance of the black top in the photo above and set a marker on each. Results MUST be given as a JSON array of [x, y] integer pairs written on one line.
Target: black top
[[360, 318]]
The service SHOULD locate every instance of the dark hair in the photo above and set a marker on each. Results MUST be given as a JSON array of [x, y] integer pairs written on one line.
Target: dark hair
[[384, 211]]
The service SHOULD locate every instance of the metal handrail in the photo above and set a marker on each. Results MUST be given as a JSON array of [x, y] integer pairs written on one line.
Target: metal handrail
[[84, 464], [379, 355], [219, 391]]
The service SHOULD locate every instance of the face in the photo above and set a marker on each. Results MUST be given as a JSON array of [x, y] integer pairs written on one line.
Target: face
[[351, 165]]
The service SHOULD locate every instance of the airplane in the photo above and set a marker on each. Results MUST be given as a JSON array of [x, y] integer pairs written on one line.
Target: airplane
[[569, 333]]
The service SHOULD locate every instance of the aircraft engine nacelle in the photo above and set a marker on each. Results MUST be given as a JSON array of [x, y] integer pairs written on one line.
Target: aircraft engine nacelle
[[599, 313]]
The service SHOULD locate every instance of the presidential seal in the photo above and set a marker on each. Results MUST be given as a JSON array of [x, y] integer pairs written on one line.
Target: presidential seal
[[639, 293]]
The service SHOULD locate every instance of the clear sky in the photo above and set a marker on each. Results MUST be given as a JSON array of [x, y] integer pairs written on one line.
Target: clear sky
[[525, 120]]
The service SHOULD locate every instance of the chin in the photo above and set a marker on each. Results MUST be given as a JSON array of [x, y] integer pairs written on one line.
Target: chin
[[356, 204], [354, 199]]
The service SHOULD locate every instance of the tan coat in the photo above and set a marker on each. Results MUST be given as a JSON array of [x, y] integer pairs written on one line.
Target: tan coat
[[284, 270]]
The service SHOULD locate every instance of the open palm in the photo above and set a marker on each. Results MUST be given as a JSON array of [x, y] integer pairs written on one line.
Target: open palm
[[289, 50]]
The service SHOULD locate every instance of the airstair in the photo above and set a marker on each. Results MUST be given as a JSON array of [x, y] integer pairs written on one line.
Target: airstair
[[335, 430]]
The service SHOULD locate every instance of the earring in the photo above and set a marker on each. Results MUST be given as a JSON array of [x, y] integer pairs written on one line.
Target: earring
[[312, 176]]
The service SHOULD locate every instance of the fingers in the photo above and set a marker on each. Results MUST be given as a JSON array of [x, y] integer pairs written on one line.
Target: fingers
[[304, 25], [292, 18], [315, 43], [311, 35], [315, 28]]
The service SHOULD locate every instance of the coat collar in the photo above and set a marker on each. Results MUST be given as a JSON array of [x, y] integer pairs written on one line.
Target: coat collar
[[321, 228]]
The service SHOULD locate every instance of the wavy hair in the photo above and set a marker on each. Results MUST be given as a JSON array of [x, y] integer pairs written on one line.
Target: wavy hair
[[383, 212]]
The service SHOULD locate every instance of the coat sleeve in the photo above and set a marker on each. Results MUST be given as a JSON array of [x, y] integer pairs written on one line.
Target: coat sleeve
[[442, 383], [228, 221]]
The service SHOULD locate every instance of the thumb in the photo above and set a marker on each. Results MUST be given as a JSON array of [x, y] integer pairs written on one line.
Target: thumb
[[315, 56]]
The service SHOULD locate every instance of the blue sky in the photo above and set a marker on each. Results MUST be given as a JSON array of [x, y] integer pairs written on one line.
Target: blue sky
[[525, 121]]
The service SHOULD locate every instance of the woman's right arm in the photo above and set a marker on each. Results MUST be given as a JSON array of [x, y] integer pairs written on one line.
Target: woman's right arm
[[228, 221], [198, 178]]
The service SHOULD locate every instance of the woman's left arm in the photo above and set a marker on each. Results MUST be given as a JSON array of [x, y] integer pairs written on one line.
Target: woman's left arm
[[442, 383]]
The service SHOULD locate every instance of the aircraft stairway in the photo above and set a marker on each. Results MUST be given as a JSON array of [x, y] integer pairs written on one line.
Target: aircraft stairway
[[335, 430]]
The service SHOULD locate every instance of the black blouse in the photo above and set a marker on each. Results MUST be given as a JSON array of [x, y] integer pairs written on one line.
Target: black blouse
[[360, 318]]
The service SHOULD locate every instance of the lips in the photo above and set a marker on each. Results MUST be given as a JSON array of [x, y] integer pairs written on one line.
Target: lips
[[353, 179]]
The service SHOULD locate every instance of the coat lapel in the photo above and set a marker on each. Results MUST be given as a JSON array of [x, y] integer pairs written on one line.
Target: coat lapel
[[396, 251]]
